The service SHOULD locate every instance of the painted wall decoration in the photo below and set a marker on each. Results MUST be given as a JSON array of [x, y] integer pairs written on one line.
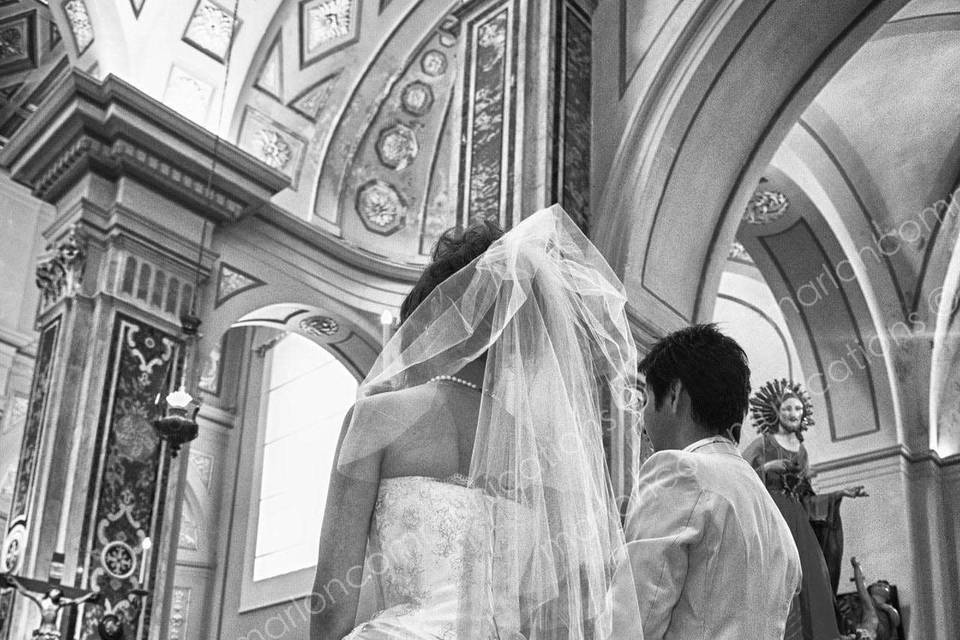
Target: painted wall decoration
[[311, 102], [326, 26], [188, 94], [232, 282], [389, 176], [573, 121], [130, 472], [275, 145], [270, 78], [211, 28], [18, 42], [80, 25], [487, 172]]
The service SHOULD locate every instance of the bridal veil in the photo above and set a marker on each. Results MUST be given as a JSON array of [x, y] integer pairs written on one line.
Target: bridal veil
[[548, 314]]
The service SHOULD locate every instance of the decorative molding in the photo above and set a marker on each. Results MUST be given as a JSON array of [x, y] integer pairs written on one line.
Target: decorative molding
[[272, 143], [203, 463], [7, 92], [327, 26], [188, 95], [232, 282], [18, 43], [80, 25], [54, 35], [311, 102], [179, 613], [211, 29], [381, 207], [766, 207], [270, 77], [137, 6], [896, 450], [86, 149]]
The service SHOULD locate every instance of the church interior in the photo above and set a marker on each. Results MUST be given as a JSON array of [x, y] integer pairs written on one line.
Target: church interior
[[210, 211]]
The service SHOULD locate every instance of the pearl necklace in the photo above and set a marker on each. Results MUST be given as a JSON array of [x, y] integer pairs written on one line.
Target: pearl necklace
[[466, 383]]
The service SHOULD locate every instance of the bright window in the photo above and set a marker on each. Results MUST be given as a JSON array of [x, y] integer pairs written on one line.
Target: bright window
[[308, 393]]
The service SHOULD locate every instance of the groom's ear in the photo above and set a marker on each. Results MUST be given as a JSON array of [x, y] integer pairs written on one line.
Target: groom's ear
[[675, 397]]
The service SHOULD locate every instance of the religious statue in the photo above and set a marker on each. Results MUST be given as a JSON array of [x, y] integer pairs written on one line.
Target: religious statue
[[50, 605], [875, 618], [782, 411]]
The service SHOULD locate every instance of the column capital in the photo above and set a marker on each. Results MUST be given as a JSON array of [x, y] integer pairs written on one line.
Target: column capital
[[115, 131]]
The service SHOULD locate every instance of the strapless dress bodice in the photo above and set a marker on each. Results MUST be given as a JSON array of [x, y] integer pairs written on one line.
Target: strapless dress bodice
[[437, 563]]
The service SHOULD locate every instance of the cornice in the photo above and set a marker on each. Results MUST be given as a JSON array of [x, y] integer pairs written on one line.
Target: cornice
[[114, 130], [884, 453], [329, 245]]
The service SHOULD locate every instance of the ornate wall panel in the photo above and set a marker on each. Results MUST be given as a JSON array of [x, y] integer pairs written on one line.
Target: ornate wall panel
[[572, 125], [188, 94], [18, 42], [80, 25], [11, 553], [210, 29], [327, 26], [129, 478], [489, 107], [310, 103]]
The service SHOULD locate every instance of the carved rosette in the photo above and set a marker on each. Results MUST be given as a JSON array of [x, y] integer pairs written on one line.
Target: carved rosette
[[397, 146], [320, 326], [210, 29], [765, 207], [325, 26], [417, 98], [381, 207]]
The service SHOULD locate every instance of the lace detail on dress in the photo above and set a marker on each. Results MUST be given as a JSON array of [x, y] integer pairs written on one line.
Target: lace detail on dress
[[436, 546]]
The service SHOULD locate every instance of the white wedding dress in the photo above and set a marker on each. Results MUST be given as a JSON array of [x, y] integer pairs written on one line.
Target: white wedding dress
[[438, 564]]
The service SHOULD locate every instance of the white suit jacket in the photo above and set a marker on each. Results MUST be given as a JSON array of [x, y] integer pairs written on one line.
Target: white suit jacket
[[711, 555]]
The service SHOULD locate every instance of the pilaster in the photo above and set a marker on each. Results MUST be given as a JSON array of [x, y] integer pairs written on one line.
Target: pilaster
[[138, 192]]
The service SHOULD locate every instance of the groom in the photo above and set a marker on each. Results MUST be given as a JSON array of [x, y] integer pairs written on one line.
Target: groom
[[711, 555]]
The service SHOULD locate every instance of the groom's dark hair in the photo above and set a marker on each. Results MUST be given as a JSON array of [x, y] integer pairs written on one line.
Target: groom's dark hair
[[455, 249], [711, 367]]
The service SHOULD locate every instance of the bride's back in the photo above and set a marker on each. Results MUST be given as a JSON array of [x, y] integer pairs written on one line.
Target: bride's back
[[437, 425]]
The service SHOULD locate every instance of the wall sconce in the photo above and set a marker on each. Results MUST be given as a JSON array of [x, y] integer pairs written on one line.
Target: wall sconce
[[179, 425]]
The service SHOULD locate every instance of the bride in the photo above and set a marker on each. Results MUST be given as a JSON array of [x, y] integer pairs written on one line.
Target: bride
[[470, 498]]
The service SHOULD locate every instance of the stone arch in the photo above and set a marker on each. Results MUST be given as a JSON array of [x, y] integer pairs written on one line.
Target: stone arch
[[649, 198]]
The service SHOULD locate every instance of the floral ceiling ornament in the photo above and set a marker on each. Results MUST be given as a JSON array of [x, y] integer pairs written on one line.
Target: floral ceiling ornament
[[381, 207], [274, 150], [417, 98], [434, 63], [766, 207], [397, 146], [80, 24], [326, 25], [210, 29]]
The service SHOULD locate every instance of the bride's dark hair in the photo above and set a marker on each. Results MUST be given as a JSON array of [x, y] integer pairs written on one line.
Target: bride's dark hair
[[454, 250]]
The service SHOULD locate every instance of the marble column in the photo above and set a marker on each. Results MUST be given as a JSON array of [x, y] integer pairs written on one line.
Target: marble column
[[137, 195]]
